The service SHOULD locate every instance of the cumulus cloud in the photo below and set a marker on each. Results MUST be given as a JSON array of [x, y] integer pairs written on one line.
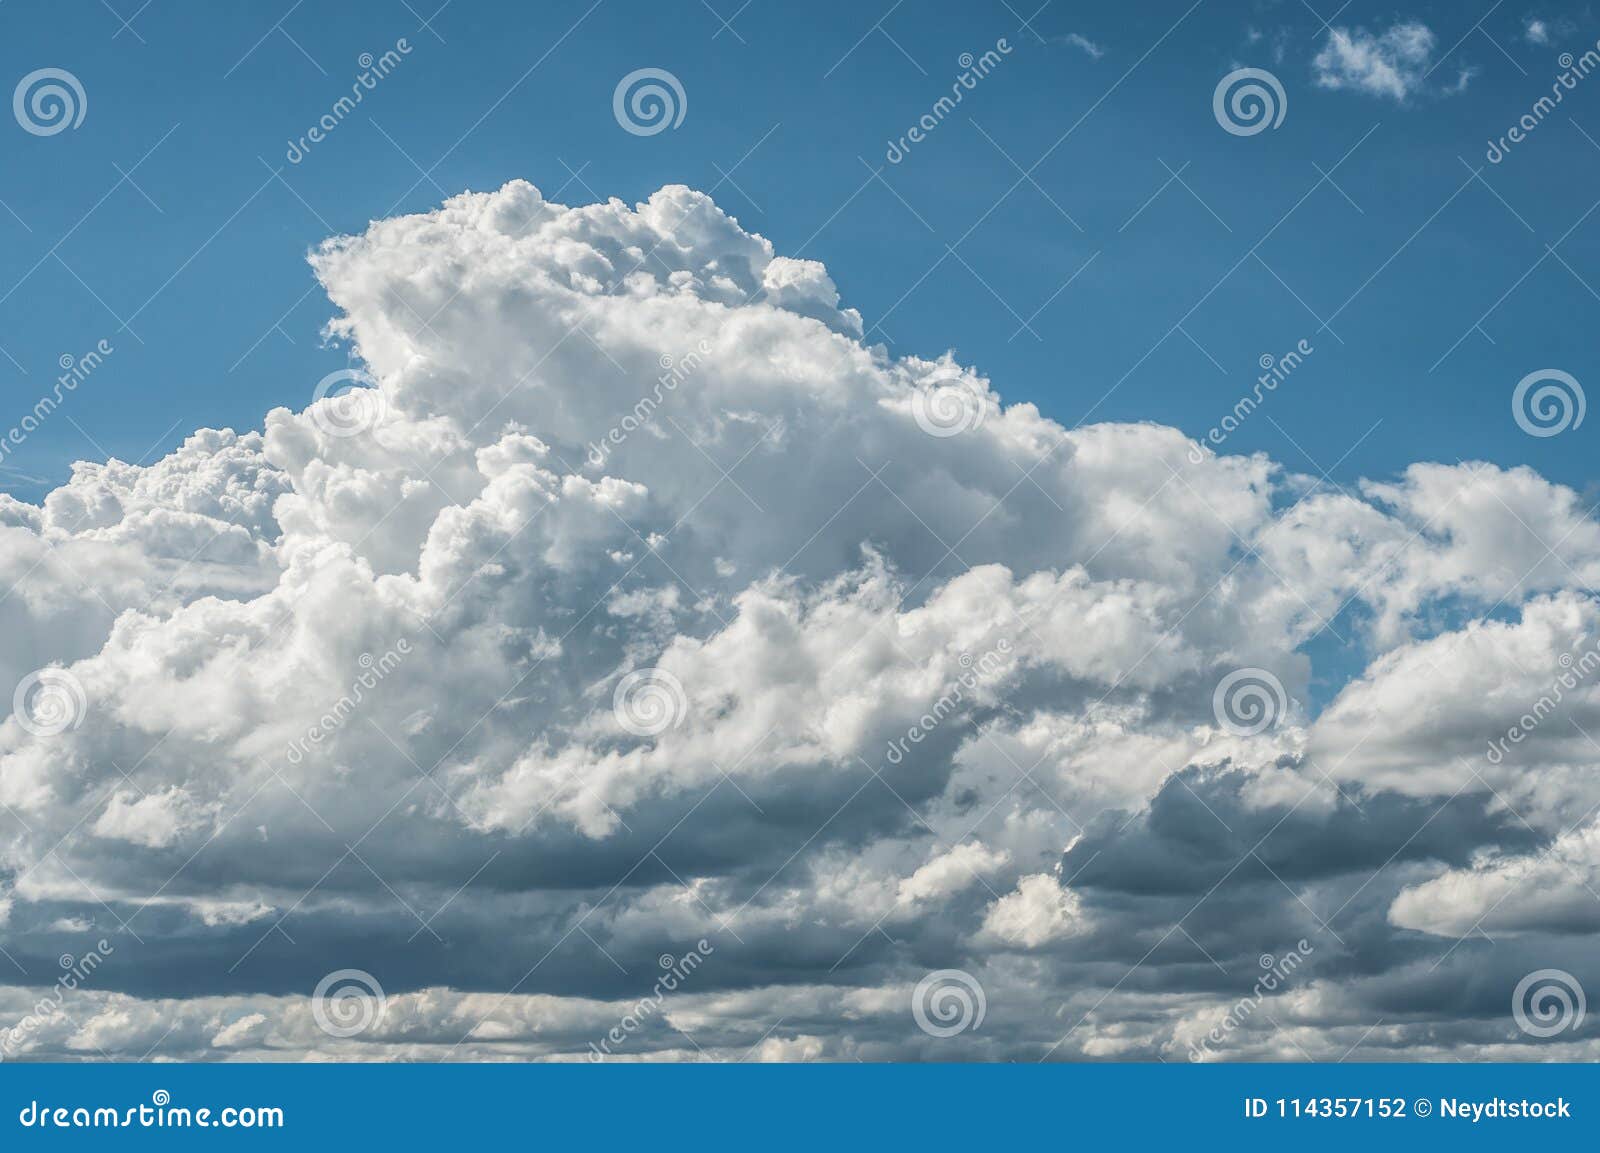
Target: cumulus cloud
[[1039, 911], [831, 668], [950, 872], [1393, 63]]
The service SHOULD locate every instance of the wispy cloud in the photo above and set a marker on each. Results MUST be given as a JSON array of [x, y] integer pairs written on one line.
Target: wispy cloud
[[1080, 41], [1393, 64]]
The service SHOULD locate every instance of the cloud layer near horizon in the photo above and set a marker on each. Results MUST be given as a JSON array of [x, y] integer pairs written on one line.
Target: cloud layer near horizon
[[612, 621]]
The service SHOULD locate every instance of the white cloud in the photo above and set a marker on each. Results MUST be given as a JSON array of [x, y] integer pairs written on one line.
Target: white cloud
[[1081, 42], [1040, 910], [243, 1031], [1550, 892], [951, 872], [409, 640], [154, 820], [1536, 31], [1394, 63]]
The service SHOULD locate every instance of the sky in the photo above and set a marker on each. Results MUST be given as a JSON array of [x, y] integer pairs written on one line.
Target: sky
[[661, 533], [193, 266]]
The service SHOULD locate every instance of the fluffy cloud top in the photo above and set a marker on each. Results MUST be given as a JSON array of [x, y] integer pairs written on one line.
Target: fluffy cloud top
[[642, 604]]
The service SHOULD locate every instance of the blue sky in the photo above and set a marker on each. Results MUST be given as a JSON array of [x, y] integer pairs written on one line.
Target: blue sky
[[193, 266]]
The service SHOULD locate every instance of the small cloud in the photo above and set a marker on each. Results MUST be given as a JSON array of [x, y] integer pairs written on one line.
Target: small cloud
[[1545, 30], [1037, 912], [1280, 45], [246, 1029], [1079, 40], [1394, 64], [1276, 39]]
